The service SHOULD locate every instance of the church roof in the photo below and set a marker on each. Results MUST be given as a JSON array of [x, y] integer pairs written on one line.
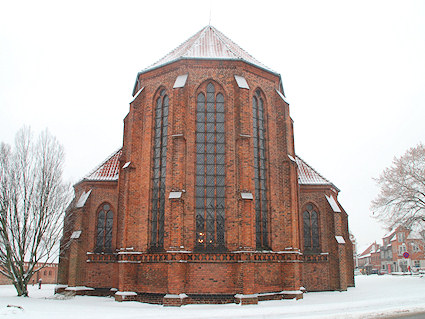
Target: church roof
[[307, 175], [209, 43], [109, 171]]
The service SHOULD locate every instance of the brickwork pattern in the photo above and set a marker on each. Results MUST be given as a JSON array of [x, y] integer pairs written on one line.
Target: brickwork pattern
[[162, 277]]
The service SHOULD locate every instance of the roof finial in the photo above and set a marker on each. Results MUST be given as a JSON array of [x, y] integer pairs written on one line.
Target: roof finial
[[209, 21]]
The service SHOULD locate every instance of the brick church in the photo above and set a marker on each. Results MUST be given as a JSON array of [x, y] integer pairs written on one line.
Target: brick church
[[206, 201]]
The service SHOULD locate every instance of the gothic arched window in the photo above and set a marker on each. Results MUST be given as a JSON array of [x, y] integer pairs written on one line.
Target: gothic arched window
[[210, 172], [311, 229], [159, 169], [260, 168], [105, 220]]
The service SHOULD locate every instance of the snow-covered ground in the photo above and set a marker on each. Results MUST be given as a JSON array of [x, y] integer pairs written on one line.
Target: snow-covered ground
[[373, 297]]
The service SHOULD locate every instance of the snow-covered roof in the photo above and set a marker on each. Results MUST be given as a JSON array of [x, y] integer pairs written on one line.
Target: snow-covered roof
[[390, 233], [307, 175], [107, 171], [209, 43], [414, 235], [364, 256]]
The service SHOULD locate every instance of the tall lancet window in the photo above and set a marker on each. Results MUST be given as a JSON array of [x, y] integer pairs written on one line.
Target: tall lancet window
[[311, 229], [159, 168], [105, 220], [210, 170], [260, 168]]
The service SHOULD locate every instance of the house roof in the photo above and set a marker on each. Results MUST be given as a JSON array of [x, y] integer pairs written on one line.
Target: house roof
[[307, 175], [109, 171], [390, 234], [371, 249], [208, 43]]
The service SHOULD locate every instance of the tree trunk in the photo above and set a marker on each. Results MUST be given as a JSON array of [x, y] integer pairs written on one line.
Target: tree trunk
[[21, 288]]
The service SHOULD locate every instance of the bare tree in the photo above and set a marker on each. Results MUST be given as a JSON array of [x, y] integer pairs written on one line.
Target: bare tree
[[33, 200], [401, 200]]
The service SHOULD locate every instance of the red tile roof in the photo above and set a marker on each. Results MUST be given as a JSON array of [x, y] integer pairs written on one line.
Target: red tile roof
[[209, 43], [109, 170], [307, 175]]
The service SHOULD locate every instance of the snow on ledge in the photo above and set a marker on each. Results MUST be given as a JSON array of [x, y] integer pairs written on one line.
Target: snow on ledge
[[78, 288], [126, 293], [333, 204], [60, 286], [283, 292], [340, 239], [83, 199], [282, 97], [137, 94], [171, 296], [126, 165]]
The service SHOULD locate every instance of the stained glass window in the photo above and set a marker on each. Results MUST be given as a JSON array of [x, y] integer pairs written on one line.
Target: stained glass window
[[105, 219], [159, 171], [260, 169], [311, 229], [210, 172]]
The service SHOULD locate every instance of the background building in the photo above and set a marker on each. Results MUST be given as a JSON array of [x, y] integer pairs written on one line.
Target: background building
[[402, 251], [48, 275]]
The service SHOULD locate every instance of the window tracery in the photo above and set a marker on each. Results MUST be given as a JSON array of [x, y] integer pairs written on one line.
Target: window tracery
[[159, 170], [260, 168], [105, 219], [210, 171], [311, 229]]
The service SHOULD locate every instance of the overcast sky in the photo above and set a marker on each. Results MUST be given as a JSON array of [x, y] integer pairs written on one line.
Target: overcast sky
[[353, 73]]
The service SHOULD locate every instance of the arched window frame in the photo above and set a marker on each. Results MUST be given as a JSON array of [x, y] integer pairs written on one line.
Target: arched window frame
[[311, 228], [259, 140], [210, 168], [159, 166], [104, 228]]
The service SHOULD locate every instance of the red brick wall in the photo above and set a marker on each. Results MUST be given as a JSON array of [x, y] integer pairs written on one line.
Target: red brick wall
[[101, 275], [338, 272], [181, 151], [130, 197], [316, 276]]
